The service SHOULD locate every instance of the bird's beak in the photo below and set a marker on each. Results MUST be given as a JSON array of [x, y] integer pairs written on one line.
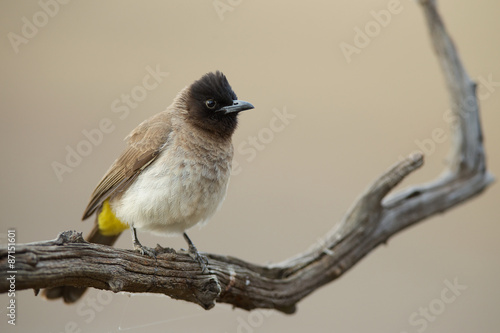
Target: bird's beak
[[237, 106]]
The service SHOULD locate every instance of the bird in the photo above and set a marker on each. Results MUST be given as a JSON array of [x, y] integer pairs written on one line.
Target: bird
[[172, 175]]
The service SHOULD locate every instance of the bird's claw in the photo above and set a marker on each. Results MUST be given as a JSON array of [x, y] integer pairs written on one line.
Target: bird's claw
[[201, 259], [193, 253], [198, 257], [145, 250]]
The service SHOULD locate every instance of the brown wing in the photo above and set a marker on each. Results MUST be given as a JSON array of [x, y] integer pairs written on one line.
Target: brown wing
[[144, 144]]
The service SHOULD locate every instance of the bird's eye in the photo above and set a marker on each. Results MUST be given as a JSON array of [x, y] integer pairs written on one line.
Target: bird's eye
[[210, 103]]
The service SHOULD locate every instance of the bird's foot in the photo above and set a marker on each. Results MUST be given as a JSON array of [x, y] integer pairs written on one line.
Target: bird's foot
[[193, 253], [138, 246], [144, 250], [201, 259]]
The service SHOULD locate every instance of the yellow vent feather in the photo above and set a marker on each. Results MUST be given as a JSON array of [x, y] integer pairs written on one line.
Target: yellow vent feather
[[109, 224]]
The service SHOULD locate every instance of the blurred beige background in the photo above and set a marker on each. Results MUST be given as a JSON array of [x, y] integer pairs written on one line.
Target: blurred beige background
[[352, 121]]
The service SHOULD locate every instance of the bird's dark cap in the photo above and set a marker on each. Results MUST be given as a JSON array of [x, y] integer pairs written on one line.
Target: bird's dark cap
[[213, 85], [213, 105]]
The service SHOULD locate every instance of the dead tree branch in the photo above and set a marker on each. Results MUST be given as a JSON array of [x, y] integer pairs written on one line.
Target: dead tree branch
[[375, 217]]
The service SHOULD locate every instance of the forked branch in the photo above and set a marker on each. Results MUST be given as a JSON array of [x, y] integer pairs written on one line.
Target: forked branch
[[375, 217]]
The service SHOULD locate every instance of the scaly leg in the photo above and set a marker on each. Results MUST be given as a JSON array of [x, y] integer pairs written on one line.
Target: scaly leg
[[193, 252], [138, 246]]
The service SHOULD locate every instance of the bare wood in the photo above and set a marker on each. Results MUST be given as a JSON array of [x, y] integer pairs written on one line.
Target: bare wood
[[375, 217]]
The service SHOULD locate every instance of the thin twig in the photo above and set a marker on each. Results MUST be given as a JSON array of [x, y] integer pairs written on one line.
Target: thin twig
[[375, 217]]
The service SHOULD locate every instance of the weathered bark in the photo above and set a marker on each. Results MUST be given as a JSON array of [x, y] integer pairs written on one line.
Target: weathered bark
[[375, 217]]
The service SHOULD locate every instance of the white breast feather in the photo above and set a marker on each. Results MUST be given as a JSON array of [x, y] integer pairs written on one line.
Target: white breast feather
[[173, 194]]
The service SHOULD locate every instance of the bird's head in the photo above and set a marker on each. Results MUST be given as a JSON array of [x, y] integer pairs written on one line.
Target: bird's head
[[213, 106]]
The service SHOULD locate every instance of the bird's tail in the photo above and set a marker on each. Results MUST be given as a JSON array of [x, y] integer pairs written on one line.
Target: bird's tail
[[72, 294]]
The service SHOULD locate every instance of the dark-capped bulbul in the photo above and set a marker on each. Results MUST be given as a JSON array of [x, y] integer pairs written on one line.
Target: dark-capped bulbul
[[173, 173]]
